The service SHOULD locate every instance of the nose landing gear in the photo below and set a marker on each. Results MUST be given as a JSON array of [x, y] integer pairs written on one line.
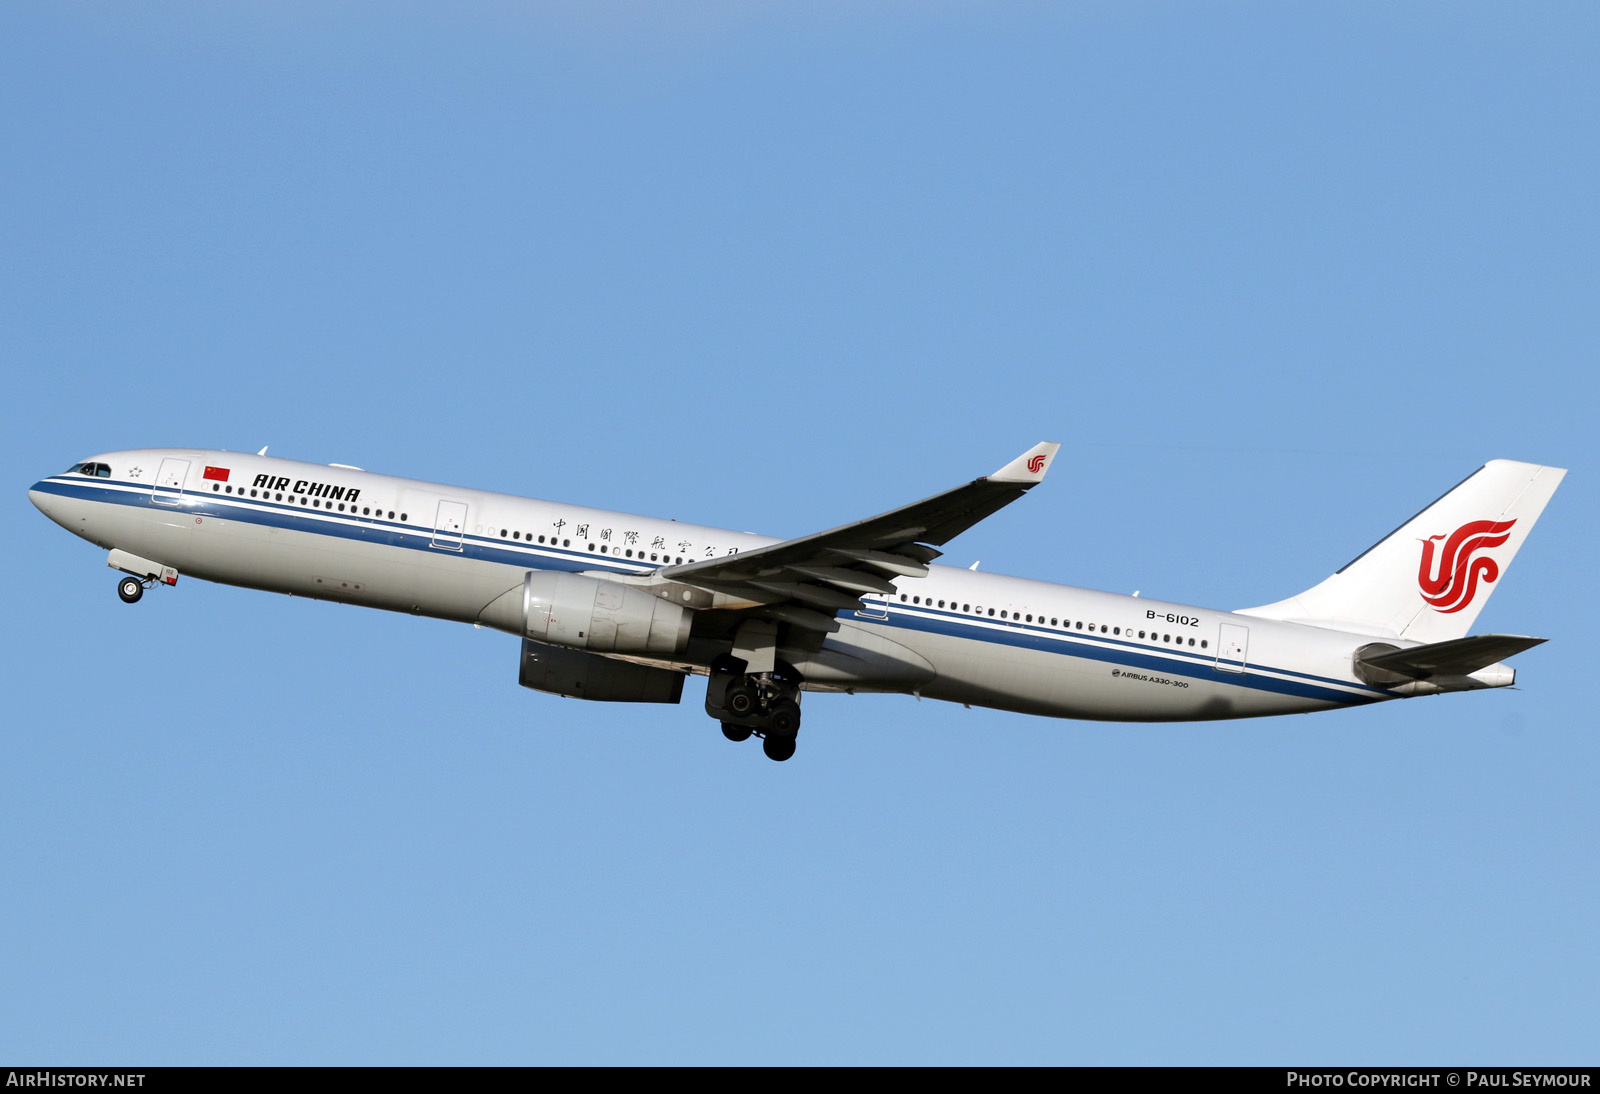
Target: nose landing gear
[[138, 574], [766, 705]]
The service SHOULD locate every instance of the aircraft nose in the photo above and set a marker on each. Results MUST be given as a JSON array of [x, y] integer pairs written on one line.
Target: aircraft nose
[[40, 499]]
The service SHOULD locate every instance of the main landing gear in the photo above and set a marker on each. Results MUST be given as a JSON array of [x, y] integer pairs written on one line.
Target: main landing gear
[[130, 589], [766, 705]]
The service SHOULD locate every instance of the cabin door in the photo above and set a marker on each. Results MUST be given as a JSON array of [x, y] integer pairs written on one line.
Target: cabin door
[[873, 606], [449, 525], [1232, 646], [169, 482]]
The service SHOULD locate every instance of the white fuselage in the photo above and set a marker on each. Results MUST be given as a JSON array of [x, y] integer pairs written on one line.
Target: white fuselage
[[985, 639]]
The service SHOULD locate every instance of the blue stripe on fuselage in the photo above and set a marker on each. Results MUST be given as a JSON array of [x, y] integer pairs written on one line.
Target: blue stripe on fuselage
[[341, 526], [1122, 653], [420, 538]]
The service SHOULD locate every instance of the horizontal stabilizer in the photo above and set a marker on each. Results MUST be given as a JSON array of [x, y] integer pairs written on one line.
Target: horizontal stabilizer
[[1456, 657]]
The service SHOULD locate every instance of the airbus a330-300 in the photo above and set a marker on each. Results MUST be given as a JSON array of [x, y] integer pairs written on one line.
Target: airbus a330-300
[[614, 607]]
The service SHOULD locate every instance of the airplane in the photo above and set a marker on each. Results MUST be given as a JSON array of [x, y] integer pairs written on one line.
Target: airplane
[[615, 607]]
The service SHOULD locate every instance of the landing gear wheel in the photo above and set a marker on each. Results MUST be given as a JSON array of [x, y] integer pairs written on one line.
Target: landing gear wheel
[[735, 732], [777, 748], [130, 589], [741, 700], [784, 719]]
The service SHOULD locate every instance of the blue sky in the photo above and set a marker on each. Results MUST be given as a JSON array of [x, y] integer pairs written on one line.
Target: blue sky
[[1275, 276]]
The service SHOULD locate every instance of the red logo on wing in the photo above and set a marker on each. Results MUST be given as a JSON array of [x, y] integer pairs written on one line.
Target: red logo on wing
[[1450, 583], [1035, 462]]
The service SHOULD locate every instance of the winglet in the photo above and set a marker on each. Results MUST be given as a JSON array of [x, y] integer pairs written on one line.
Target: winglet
[[1029, 468]]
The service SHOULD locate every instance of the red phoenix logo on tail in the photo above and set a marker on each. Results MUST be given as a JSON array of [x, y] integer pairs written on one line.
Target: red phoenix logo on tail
[[1450, 584], [1034, 463]]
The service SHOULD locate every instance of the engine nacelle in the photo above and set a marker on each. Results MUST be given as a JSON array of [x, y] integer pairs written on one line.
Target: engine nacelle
[[587, 613], [580, 675]]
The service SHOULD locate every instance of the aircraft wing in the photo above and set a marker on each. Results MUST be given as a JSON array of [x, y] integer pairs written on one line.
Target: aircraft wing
[[810, 578]]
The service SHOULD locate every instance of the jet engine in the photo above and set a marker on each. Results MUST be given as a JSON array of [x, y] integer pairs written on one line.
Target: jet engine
[[586, 613]]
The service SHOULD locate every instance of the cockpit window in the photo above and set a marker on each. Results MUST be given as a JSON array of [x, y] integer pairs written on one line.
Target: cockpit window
[[96, 470]]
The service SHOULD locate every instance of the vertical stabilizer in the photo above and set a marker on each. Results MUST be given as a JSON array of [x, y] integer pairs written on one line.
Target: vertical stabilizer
[[1429, 579]]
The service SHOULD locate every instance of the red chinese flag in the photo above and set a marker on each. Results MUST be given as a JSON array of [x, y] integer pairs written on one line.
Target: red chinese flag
[[218, 473]]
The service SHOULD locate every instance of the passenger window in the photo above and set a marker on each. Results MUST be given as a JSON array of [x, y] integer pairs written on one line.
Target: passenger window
[[991, 613], [1202, 643]]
